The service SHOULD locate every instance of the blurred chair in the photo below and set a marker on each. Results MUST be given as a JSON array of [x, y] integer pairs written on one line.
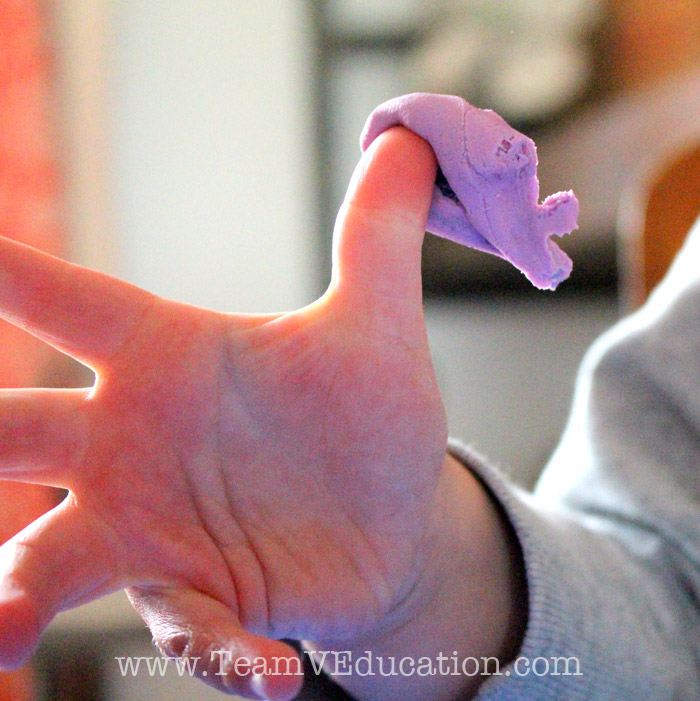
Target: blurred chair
[[658, 208]]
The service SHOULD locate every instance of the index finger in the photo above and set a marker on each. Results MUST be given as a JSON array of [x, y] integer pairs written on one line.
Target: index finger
[[79, 311]]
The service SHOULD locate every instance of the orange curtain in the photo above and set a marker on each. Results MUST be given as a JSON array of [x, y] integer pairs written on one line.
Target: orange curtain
[[29, 212]]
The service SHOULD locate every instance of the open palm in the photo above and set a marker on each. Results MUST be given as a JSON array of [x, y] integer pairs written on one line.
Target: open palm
[[246, 477]]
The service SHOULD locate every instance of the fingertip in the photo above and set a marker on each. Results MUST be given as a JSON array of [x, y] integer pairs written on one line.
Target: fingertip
[[264, 668], [396, 173], [205, 633], [275, 688]]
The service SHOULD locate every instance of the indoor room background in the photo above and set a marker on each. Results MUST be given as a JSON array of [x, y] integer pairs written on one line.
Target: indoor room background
[[203, 147]]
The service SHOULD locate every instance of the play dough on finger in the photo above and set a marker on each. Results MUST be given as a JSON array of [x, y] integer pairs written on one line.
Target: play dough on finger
[[486, 192]]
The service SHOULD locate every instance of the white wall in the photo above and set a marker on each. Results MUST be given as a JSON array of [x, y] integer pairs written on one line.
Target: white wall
[[506, 370], [210, 151]]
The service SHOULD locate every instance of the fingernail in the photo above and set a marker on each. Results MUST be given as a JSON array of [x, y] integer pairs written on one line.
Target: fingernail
[[174, 645], [258, 684]]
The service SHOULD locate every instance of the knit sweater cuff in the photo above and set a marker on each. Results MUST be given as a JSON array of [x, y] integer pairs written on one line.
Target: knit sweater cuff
[[572, 647]]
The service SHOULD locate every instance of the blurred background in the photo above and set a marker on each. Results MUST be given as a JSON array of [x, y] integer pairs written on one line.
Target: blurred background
[[200, 149]]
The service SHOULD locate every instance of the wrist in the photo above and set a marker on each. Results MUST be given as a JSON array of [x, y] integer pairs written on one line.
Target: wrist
[[468, 605]]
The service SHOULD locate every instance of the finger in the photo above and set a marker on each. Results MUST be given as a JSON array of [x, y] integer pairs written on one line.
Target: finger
[[43, 434], [381, 225], [58, 562], [79, 311], [205, 635]]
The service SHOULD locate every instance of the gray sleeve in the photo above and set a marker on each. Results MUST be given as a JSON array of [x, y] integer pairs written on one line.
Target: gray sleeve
[[611, 536]]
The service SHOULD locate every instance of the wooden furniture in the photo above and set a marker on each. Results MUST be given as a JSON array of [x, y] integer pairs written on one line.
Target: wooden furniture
[[651, 40], [657, 210]]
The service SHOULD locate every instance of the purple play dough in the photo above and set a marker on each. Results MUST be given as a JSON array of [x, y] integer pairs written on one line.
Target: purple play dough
[[486, 194]]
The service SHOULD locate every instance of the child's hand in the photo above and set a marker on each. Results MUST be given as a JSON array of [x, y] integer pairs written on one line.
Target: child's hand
[[246, 477]]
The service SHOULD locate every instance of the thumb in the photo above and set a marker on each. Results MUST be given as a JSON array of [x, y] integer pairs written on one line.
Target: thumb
[[380, 227], [208, 642]]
